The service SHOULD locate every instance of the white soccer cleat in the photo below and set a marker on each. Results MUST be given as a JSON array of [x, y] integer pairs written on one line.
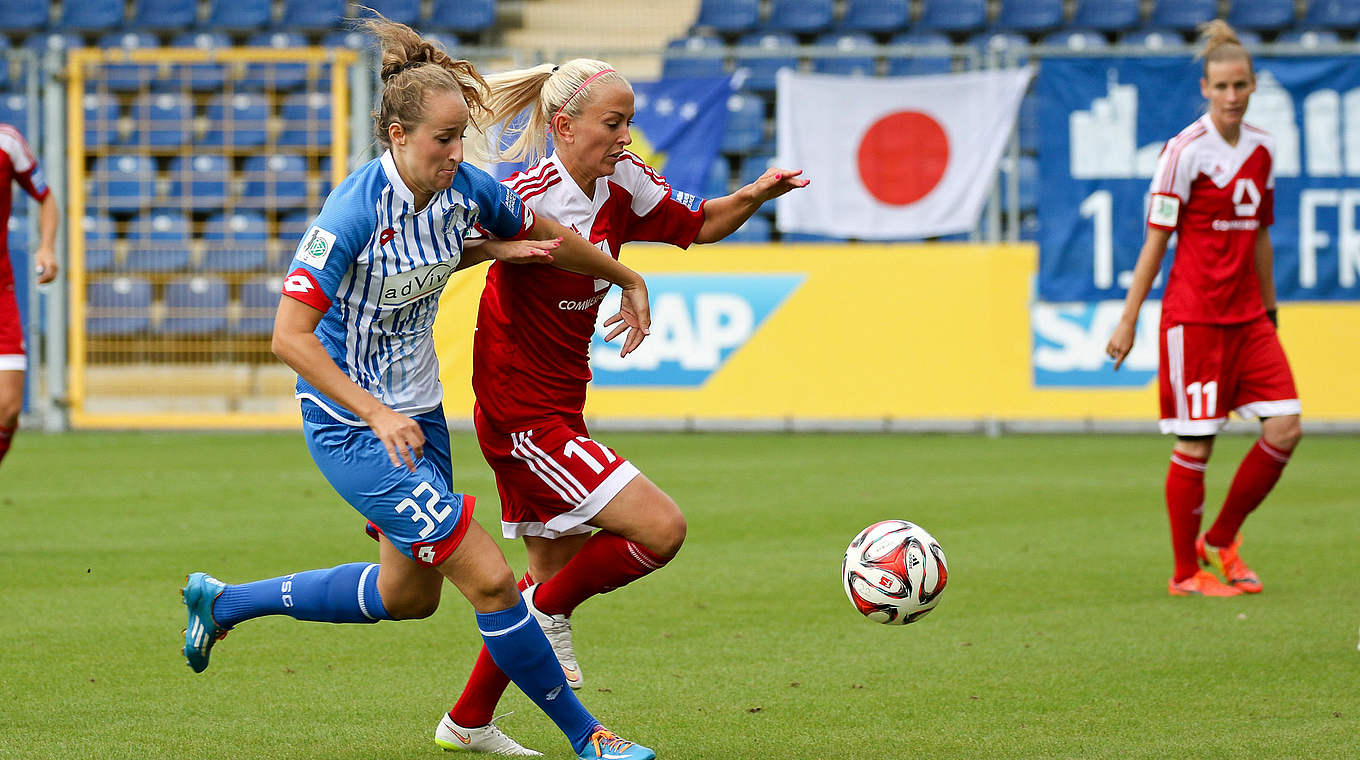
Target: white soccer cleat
[[558, 630], [487, 739]]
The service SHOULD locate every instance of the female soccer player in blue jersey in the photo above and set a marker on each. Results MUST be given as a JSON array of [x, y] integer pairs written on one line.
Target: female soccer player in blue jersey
[[355, 323]]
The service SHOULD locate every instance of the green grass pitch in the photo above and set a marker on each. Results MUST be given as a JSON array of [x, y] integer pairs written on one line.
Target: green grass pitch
[[1055, 639]]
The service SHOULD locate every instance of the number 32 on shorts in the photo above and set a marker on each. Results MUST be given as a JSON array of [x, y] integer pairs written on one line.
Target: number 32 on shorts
[[427, 515]]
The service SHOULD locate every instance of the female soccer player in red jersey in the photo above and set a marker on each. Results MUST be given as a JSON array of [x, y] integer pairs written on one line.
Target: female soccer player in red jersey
[[591, 522], [1214, 188], [17, 165]]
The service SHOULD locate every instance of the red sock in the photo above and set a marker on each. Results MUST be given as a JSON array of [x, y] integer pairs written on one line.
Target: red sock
[[487, 682], [606, 561], [6, 436], [1184, 506], [1258, 473]]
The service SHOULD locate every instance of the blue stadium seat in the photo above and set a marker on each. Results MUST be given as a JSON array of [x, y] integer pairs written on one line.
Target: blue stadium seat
[[118, 306], [200, 182], [938, 61], [1076, 39], [208, 76], [745, 124], [323, 178], [1309, 38], [876, 16], [4, 64], [1027, 124], [469, 17], [1106, 15], [278, 181], [14, 111], [863, 64], [757, 229], [122, 183], [239, 15], [102, 114], [728, 16], [1332, 14], [305, 119], [312, 15], [961, 16], [1182, 15], [158, 241], [259, 301], [401, 11], [236, 242], [799, 16], [1261, 15], [164, 15], [751, 169], [275, 76], [195, 306], [90, 15], [1029, 16], [1154, 39], [291, 227], [777, 51], [1005, 46], [24, 15], [351, 39], [162, 119], [718, 181], [99, 234], [41, 42], [240, 120], [129, 77], [711, 65]]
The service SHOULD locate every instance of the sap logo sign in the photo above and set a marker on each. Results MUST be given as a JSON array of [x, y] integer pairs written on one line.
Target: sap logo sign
[[698, 321], [1070, 340]]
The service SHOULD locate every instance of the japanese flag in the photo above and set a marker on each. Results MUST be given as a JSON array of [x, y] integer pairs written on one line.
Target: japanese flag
[[892, 158]]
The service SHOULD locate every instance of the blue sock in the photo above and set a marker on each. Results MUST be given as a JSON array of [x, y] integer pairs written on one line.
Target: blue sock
[[518, 646], [343, 594]]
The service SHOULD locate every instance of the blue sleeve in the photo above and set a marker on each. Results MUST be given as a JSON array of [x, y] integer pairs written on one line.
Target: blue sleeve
[[339, 233], [500, 210]]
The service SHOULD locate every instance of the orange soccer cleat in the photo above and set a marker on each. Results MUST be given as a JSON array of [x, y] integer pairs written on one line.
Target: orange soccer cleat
[[1227, 562], [1202, 583]]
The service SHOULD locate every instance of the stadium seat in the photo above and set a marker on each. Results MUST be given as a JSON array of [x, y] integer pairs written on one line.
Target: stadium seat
[[1029, 16], [1261, 15], [195, 306], [4, 61], [158, 242], [99, 236], [1153, 39], [200, 182], [129, 77], [24, 15], [1007, 47], [718, 181], [236, 242], [1182, 15], [745, 124], [122, 183], [239, 15], [275, 181], [291, 227], [757, 229], [863, 64], [936, 61], [728, 16], [351, 39], [1309, 38], [90, 15], [259, 301], [164, 15], [876, 16], [401, 11], [751, 169], [305, 119], [59, 41], [323, 176], [1076, 39], [1027, 125], [102, 120], [201, 77], [239, 120], [776, 51], [118, 306], [162, 119], [961, 16], [14, 111], [275, 76], [312, 15], [1106, 15], [469, 17], [799, 16], [711, 64], [1332, 14]]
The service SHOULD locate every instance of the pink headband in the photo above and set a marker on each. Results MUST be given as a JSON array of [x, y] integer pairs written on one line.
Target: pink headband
[[576, 92]]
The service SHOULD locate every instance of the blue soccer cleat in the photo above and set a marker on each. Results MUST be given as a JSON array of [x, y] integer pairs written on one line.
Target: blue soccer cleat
[[606, 745], [199, 592]]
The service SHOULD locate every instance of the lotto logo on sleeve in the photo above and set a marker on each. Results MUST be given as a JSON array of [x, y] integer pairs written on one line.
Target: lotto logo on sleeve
[[316, 247], [698, 322], [300, 285]]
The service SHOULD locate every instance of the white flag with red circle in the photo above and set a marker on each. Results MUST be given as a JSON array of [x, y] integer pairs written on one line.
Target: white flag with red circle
[[893, 158]]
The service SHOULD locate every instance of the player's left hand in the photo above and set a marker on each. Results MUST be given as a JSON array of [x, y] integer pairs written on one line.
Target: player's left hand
[[634, 318], [775, 182], [44, 266], [522, 251]]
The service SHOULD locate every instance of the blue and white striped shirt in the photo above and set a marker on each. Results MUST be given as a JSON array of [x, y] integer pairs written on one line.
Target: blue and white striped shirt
[[375, 265]]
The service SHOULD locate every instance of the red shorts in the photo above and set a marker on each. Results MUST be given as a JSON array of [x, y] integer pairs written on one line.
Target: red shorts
[[11, 327], [552, 479], [1207, 370]]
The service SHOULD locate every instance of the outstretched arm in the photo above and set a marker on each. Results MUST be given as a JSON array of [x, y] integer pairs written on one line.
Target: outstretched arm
[[722, 216]]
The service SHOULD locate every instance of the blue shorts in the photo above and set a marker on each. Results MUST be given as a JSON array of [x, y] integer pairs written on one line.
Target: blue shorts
[[417, 511]]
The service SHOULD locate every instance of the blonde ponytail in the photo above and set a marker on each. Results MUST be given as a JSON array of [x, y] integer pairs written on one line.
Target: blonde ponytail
[[1218, 42], [543, 90]]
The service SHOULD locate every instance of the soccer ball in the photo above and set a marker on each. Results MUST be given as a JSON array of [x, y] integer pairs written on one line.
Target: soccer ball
[[894, 572]]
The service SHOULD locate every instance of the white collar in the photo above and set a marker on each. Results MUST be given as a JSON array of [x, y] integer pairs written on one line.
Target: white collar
[[399, 187]]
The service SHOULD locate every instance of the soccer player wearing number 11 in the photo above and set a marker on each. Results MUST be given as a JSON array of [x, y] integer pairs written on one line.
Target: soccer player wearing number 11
[[1214, 188]]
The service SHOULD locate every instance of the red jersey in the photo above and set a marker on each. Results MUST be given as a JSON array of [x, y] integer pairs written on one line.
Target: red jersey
[[1216, 197], [531, 352]]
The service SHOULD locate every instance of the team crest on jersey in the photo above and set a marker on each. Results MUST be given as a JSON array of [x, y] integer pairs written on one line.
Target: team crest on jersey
[[316, 247], [412, 285], [1246, 197]]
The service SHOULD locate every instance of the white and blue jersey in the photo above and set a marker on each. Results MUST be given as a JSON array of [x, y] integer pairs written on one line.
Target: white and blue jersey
[[375, 265]]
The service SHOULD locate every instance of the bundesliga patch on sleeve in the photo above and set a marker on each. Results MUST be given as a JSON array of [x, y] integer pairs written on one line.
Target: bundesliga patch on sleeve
[[1164, 210], [688, 200], [316, 247]]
